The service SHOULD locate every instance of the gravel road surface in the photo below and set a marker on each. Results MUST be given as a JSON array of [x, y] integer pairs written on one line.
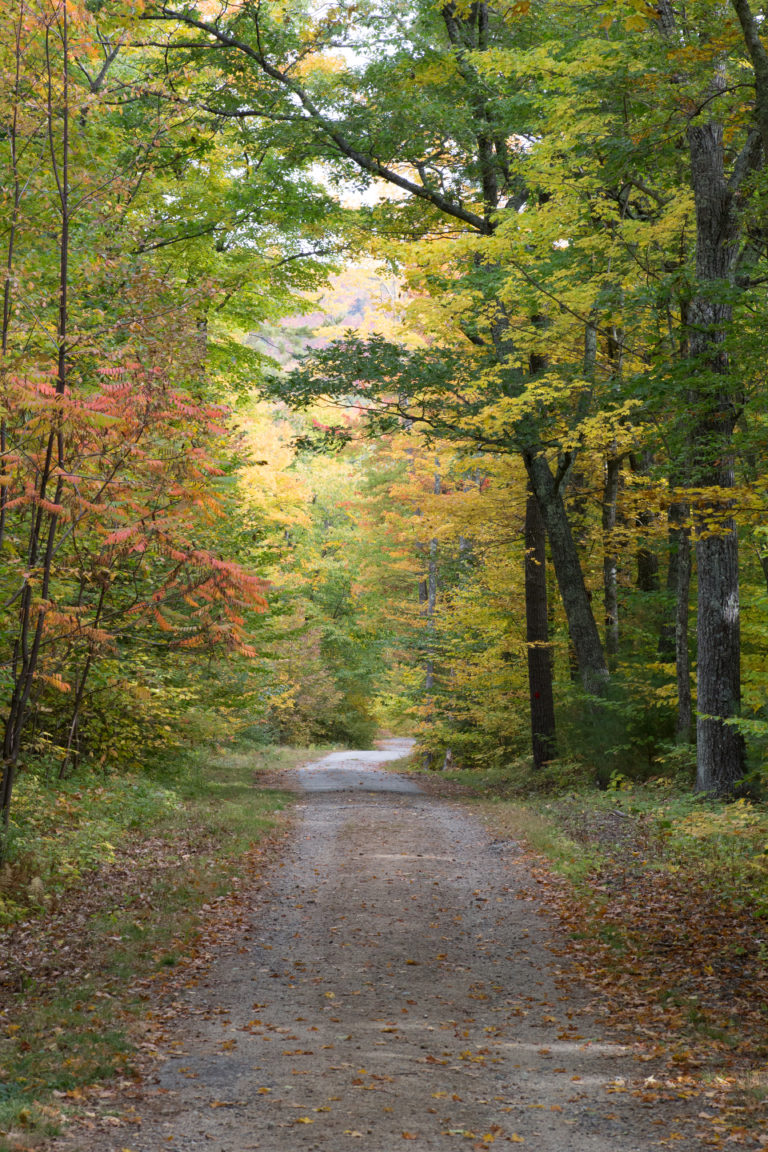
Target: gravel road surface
[[393, 990]]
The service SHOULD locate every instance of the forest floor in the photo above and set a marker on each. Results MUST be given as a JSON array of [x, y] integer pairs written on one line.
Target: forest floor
[[395, 976]]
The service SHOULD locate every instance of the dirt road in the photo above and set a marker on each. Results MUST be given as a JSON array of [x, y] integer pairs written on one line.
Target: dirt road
[[395, 985]]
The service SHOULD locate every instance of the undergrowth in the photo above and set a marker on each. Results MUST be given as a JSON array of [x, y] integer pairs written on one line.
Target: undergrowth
[[561, 810], [663, 898], [721, 846], [104, 882], [60, 832]]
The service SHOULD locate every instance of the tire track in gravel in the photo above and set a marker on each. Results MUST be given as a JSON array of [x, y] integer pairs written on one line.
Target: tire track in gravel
[[394, 990]]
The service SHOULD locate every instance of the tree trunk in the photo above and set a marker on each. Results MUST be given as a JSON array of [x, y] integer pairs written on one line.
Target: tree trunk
[[428, 602], [764, 566], [673, 635], [570, 578], [543, 738], [40, 546], [647, 559], [577, 483], [610, 559], [720, 745], [682, 647], [429, 679]]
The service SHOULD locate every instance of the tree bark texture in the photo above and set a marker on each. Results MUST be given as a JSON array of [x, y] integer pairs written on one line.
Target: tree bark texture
[[543, 734], [720, 758], [720, 746]]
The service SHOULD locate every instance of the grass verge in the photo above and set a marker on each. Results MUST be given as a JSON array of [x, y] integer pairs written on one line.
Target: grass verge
[[663, 898], [104, 897]]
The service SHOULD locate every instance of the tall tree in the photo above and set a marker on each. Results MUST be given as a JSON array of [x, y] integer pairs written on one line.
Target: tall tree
[[468, 181], [718, 176], [116, 322], [546, 159]]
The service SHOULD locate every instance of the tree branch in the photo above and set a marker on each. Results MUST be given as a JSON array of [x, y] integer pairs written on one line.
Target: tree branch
[[759, 58], [363, 160]]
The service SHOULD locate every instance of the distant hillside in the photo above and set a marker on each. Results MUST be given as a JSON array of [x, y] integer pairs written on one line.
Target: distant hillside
[[362, 298]]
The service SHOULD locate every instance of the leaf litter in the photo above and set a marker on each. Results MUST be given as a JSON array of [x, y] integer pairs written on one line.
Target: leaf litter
[[483, 1040], [674, 965]]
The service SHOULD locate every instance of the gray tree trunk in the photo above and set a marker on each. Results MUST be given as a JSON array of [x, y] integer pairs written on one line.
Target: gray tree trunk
[[543, 735], [682, 647], [720, 746], [428, 602], [714, 402], [610, 559], [647, 559], [673, 637], [570, 578]]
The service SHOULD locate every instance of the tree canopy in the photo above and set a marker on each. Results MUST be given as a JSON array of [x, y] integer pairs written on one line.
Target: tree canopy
[[520, 457]]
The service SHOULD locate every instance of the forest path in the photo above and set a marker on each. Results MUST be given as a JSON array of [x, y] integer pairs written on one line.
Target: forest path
[[393, 984]]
